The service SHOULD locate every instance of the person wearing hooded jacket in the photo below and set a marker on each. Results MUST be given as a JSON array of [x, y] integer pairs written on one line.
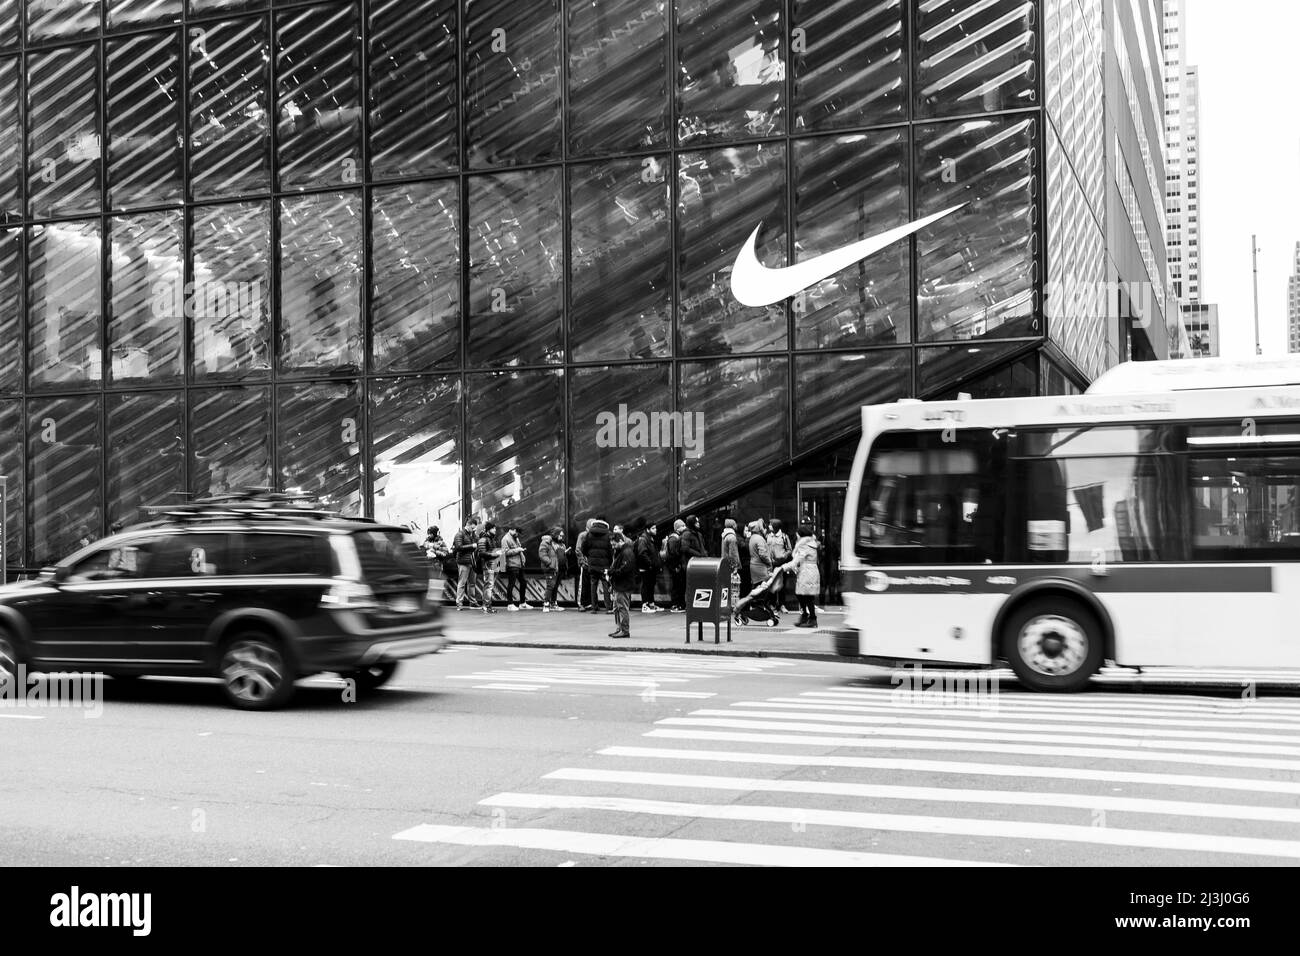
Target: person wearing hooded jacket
[[676, 563], [647, 565], [551, 554], [760, 563], [730, 547], [692, 541], [584, 573], [599, 552], [808, 582]]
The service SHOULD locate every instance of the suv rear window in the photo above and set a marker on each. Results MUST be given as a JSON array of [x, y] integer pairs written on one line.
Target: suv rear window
[[272, 553], [390, 559]]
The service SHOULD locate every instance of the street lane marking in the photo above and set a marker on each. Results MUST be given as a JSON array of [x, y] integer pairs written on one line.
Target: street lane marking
[[1105, 703], [24, 716], [506, 687]]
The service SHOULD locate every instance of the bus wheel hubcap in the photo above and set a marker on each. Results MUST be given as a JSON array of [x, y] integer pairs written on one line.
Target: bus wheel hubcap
[[1053, 645]]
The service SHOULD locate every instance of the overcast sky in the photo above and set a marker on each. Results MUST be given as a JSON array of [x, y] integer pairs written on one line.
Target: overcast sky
[[1248, 52]]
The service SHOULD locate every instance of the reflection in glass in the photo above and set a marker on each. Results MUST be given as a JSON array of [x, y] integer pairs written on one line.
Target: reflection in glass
[[830, 390], [11, 135], [512, 81], [63, 131], [730, 70], [318, 106], [320, 443], [623, 474], [975, 268], [230, 135], [63, 465], [9, 23], [320, 282], [415, 440], [1017, 380], [228, 301], [146, 453], [739, 408], [620, 260], [722, 196], [61, 20], [63, 308], [516, 268], [940, 370], [11, 465], [516, 452], [415, 270], [144, 120], [11, 305], [413, 121], [220, 6], [974, 57], [231, 430], [618, 89], [850, 63], [848, 188], [125, 14], [145, 309]]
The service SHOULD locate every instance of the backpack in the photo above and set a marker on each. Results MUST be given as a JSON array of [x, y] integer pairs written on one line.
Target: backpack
[[780, 549], [672, 550]]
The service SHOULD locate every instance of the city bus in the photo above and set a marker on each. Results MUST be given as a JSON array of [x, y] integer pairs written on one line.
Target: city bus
[[1152, 521]]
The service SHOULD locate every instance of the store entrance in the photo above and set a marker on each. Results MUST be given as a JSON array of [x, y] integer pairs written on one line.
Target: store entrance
[[821, 505]]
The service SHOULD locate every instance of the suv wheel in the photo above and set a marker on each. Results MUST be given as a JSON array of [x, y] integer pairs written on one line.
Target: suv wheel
[[255, 673], [9, 659], [372, 677], [1053, 645]]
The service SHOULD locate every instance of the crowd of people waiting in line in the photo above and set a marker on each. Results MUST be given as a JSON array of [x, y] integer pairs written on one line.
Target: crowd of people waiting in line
[[611, 564]]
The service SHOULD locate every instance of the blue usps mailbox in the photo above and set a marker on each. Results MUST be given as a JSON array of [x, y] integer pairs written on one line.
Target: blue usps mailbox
[[709, 597]]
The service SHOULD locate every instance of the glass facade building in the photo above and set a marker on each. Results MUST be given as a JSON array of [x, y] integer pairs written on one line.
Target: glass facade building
[[414, 256]]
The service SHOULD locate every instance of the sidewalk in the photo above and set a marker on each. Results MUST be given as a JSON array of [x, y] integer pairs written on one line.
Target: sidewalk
[[662, 632]]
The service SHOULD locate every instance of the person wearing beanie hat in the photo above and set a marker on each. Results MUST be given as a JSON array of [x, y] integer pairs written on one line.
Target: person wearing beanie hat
[[676, 565]]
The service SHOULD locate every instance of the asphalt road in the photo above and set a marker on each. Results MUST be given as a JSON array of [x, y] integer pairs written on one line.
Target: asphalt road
[[516, 756]]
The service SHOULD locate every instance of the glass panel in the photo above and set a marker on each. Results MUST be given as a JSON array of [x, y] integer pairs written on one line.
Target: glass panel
[[723, 196], [621, 447], [415, 268], [730, 70], [11, 466], [849, 188], [621, 261], [63, 132], [974, 57], [320, 443], [61, 19], [940, 370], [516, 268], [850, 63], [318, 59], [512, 81], [976, 267], [221, 6], [1244, 505], [125, 14], [830, 390], [9, 23], [230, 135], [146, 454], [11, 135], [144, 120], [1017, 380], [231, 433], [63, 308], [415, 440], [229, 299], [516, 452], [11, 305], [413, 119], [320, 282], [146, 304], [735, 421], [63, 458], [618, 76]]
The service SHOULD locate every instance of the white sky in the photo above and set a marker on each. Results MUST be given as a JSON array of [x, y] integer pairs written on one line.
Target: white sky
[[1249, 59]]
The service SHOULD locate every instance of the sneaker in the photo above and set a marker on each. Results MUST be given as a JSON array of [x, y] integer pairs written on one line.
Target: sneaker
[[647, 609], [618, 634], [546, 609], [525, 606], [511, 607]]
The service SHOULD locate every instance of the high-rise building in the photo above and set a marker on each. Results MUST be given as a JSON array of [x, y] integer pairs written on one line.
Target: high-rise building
[[426, 258], [1201, 320], [1293, 304]]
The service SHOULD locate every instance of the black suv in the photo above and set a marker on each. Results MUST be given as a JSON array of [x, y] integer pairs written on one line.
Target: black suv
[[255, 591]]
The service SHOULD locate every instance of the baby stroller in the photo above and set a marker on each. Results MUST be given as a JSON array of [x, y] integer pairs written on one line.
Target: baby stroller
[[760, 606]]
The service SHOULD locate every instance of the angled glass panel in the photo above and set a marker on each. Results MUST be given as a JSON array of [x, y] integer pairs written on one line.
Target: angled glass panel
[[146, 453], [9, 33], [516, 449], [230, 134], [128, 14], [415, 274], [944, 371], [229, 300], [830, 390], [849, 188], [11, 309], [516, 268], [63, 162], [318, 106], [850, 63], [146, 311], [320, 443], [221, 6], [413, 97], [621, 443], [145, 117], [416, 454], [320, 282], [512, 82], [976, 268], [730, 70], [618, 76], [975, 57], [61, 19], [1017, 380], [723, 196], [11, 466], [64, 457], [620, 260], [11, 142], [229, 447], [63, 305]]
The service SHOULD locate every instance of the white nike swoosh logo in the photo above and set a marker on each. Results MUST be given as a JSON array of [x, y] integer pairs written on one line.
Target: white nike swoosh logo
[[754, 284]]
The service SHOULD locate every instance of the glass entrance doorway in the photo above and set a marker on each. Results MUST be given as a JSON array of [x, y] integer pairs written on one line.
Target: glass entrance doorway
[[821, 505]]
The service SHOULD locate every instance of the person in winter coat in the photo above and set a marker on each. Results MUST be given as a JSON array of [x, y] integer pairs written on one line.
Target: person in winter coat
[[692, 541], [490, 561], [778, 551], [464, 545], [439, 554], [676, 564], [730, 547], [808, 581], [760, 565], [584, 573], [598, 551], [512, 553], [552, 554], [622, 575], [647, 565]]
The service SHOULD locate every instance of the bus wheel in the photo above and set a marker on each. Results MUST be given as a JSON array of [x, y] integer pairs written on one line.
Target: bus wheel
[[1053, 644]]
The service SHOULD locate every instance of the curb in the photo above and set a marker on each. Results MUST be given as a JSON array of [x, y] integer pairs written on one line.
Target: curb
[[713, 649]]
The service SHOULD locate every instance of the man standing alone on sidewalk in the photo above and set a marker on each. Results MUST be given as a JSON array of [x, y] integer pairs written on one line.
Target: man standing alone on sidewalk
[[647, 565], [622, 575]]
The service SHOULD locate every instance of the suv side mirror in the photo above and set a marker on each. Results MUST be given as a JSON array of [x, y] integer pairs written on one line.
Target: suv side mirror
[[60, 574]]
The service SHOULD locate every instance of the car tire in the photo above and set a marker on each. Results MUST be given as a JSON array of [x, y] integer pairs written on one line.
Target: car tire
[[1053, 644], [373, 677], [10, 658], [255, 671]]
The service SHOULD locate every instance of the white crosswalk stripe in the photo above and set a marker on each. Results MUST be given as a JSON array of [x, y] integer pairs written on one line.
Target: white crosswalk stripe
[[659, 676]]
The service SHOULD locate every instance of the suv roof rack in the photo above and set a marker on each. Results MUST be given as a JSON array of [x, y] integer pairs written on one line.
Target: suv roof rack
[[249, 504]]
